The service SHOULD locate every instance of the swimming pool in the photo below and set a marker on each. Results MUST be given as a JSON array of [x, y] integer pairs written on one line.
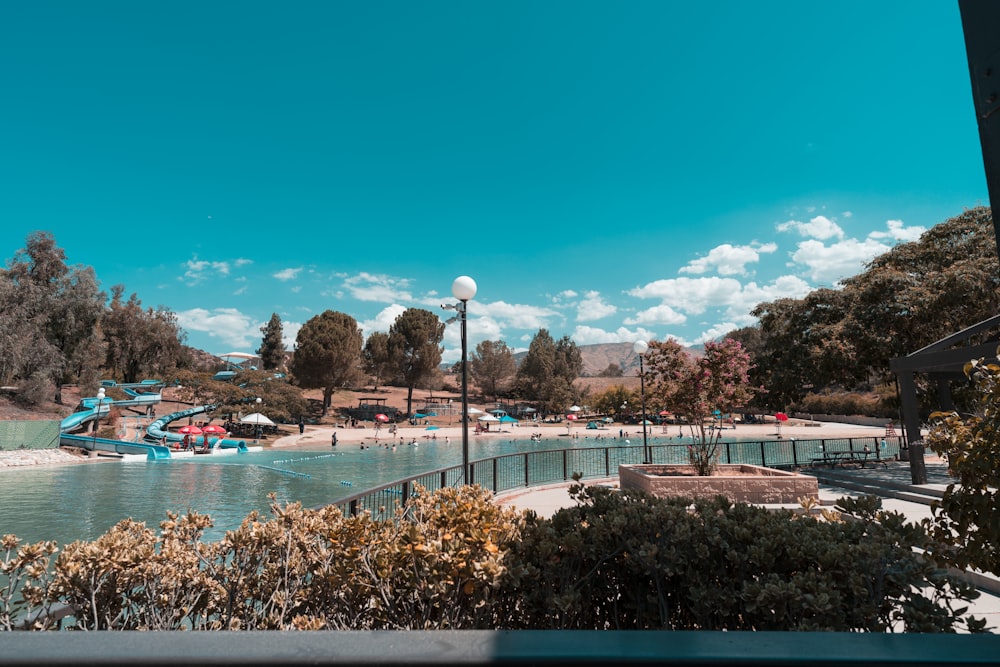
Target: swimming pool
[[81, 502]]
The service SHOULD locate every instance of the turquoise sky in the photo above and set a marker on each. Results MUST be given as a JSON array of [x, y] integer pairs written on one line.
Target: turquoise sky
[[608, 171]]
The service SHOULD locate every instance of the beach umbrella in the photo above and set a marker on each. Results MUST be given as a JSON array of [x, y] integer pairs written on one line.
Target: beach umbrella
[[190, 429], [571, 417], [432, 414], [381, 417], [575, 408], [488, 418], [780, 417], [665, 413], [213, 428], [507, 419], [431, 428], [419, 415], [475, 411]]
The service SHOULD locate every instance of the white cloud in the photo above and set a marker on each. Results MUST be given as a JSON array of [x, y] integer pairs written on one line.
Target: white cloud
[[383, 320], [728, 260], [198, 270], [583, 335], [380, 288], [232, 328], [819, 227], [515, 316], [287, 274], [661, 314], [830, 264], [899, 233], [690, 295], [593, 307]]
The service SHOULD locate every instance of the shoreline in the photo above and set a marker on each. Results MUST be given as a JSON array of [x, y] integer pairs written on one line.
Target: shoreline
[[320, 437]]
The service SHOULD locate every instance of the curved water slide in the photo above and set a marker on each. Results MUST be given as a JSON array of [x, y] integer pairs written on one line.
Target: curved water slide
[[93, 408], [157, 430]]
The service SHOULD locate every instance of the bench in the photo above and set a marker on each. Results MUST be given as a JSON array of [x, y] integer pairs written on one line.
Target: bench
[[840, 458]]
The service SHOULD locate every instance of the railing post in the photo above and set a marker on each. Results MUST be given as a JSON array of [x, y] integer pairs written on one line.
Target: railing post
[[496, 481], [607, 462], [763, 455], [565, 458], [729, 454]]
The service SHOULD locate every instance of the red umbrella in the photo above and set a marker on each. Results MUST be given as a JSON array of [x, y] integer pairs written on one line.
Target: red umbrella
[[571, 417], [190, 429], [781, 417], [213, 428], [381, 417]]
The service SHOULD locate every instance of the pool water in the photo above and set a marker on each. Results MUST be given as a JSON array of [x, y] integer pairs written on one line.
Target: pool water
[[81, 502]]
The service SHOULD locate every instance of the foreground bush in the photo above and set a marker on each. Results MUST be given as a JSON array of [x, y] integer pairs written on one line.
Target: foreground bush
[[629, 561], [454, 559]]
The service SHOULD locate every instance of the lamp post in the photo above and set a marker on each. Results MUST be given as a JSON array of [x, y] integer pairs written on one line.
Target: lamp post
[[97, 418], [463, 289], [640, 347], [257, 430]]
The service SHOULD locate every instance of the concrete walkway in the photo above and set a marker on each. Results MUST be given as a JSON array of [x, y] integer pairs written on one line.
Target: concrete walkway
[[892, 483]]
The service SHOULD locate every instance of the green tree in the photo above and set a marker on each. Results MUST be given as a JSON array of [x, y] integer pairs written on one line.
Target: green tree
[[610, 400], [966, 518], [695, 386], [612, 371], [272, 347], [491, 367], [415, 347], [547, 372], [140, 343], [378, 360], [55, 311], [327, 354]]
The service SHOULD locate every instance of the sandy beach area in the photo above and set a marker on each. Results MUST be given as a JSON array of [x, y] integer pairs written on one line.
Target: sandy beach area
[[322, 436]]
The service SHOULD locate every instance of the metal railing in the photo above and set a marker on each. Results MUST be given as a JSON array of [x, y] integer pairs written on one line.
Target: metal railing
[[548, 466]]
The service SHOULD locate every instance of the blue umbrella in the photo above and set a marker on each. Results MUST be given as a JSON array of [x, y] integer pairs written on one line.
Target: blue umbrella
[[419, 415], [431, 428]]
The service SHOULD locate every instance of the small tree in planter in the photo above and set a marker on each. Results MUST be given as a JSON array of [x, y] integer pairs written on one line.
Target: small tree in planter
[[694, 386]]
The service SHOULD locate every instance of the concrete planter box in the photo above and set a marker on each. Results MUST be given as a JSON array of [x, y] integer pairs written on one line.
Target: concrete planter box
[[740, 483]]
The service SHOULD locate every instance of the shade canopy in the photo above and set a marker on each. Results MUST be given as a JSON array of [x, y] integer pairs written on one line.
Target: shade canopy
[[488, 418], [256, 418]]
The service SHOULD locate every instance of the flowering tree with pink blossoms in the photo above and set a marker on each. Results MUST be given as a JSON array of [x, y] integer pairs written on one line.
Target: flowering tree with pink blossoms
[[695, 386]]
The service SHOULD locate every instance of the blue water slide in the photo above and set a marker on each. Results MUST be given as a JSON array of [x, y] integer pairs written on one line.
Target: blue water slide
[[151, 452], [157, 430]]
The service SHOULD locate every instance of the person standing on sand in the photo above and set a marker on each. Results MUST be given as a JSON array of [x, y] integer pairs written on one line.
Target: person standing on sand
[[333, 442]]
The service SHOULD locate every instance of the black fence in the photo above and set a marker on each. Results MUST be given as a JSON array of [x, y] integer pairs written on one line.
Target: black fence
[[549, 466]]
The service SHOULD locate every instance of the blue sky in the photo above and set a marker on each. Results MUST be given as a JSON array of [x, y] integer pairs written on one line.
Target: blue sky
[[609, 171]]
